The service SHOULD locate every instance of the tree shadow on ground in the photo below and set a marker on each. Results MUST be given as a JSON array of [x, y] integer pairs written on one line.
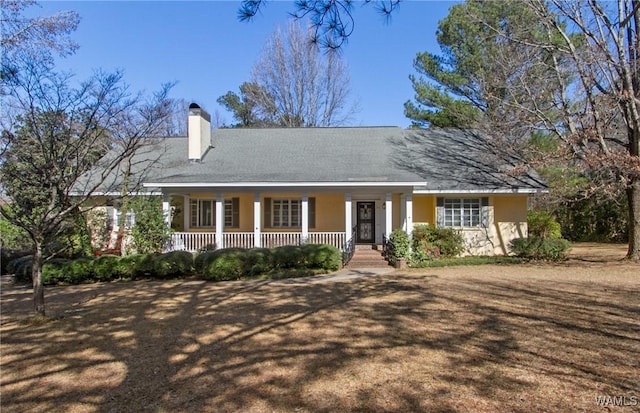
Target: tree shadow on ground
[[387, 343]]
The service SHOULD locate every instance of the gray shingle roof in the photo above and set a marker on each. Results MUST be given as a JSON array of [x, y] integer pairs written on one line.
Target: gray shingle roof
[[443, 159], [289, 155]]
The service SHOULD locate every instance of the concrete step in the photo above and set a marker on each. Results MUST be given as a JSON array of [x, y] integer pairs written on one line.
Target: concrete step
[[365, 256]]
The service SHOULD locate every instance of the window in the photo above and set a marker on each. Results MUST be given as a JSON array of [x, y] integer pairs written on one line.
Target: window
[[203, 213], [287, 213], [129, 220], [461, 212]]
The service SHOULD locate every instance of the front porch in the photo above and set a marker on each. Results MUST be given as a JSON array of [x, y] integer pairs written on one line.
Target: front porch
[[213, 220]]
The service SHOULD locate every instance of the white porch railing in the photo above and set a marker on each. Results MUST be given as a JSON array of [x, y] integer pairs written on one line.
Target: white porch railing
[[337, 239], [196, 241], [238, 239], [191, 241], [279, 239]]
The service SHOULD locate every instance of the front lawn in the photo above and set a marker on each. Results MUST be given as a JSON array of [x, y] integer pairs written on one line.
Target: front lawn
[[523, 338]]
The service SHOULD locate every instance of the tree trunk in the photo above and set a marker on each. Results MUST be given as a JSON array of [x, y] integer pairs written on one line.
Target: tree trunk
[[36, 275], [124, 208], [633, 198]]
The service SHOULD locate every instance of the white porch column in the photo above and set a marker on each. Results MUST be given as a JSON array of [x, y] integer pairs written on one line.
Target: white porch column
[[166, 209], [305, 217], [388, 219], [409, 208], [219, 220], [348, 226], [257, 222], [403, 212], [186, 214]]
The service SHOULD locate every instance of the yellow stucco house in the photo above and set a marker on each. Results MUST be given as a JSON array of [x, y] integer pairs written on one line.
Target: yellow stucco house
[[268, 187]]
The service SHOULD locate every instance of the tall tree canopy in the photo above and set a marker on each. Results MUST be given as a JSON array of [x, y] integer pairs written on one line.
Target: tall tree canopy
[[490, 69], [293, 84], [247, 108]]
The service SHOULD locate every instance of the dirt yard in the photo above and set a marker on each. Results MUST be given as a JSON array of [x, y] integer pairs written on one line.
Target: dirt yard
[[527, 338]]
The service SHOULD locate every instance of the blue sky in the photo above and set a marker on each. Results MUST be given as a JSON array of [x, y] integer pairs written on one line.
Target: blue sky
[[203, 47]]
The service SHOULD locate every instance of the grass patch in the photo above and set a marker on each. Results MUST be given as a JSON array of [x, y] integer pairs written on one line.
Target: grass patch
[[483, 260], [284, 273]]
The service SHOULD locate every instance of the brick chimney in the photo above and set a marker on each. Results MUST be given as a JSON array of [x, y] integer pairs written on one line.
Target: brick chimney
[[199, 132]]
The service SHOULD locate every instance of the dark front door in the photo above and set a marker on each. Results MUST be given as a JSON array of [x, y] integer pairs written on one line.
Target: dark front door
[[366, 222]]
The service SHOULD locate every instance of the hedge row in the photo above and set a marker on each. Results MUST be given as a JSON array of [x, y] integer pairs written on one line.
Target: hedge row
[[536, 248], [224, 264], [234, 263], [106, 268]]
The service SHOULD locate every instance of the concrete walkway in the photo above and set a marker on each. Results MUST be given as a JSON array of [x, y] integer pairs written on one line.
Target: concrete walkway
[[344, 274]]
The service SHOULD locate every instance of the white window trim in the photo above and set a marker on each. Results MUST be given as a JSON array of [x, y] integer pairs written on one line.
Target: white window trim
[[471, 213], [290, 215], [198, 211], [228, 213], [129, 221]]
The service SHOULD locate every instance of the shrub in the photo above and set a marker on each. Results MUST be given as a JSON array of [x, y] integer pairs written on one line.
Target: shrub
[[322, 256], [150, 232], [127, 266], [424, 252], [448, 242], [173, 264], [288, 256], [21, 268], [106, 268], [78, 270], [55, 271], [203, 259], [399, 245], [145, 265], [235, 263], [543, 225], [537, 248], [9, 255], [208, 248], [224, 265], [258, 261]]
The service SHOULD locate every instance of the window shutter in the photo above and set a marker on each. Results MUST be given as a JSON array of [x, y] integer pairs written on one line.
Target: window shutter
[[312, 212], [193, 212], [267, 213], [214, 205], [235, 212], [440, 212], [484, 212]]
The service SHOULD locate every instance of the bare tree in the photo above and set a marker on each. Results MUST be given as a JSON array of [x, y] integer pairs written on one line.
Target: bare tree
[[35, 36], [600, 104], [176, 123], [299, 85], [66, 145], [30, 39]]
